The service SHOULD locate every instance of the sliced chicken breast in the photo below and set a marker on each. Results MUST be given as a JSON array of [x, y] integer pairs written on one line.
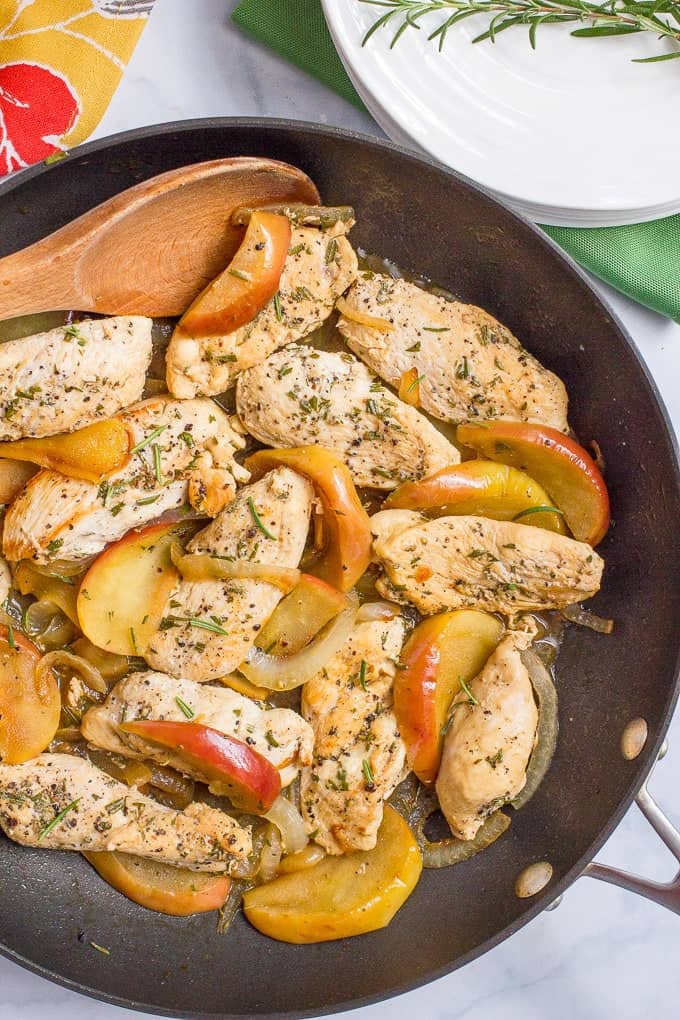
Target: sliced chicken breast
[[267, 523], [359, 757], [470, 366], [72, 376], [184, 453], [320, 265], [489, 741], [64, 802], [279, 734], [473, 562], [300, 395]]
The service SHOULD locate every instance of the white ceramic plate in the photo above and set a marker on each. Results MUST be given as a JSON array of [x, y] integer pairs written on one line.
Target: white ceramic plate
[[570, 133]]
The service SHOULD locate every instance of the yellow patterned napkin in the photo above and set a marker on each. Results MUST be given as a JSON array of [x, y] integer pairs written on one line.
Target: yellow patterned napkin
[[60, 63]]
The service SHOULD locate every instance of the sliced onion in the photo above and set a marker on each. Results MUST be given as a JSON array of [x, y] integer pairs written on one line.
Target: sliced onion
[[284, 672], [61, 658], [110, 665], [270, 858], [584, 618], [288, 821], [371, 611], [417, 805], [372, 321], [546, 730], [47, 626], [203, 567], [303, 859]]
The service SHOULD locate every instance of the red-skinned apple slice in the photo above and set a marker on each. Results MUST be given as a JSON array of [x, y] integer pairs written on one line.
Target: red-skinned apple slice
[[243, 774], [30, 704], [250, 280], [161, 887], [440, 651], [346, 527], [123, 594], [564, 469], [480, 488]]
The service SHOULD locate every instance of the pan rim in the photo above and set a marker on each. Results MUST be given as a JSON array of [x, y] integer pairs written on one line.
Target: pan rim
[[650, 754]]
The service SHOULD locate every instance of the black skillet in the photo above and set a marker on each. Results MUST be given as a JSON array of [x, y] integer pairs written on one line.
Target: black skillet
[[431, 221]]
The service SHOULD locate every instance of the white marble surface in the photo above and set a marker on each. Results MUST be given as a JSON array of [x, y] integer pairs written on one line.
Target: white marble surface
[[603, 954]]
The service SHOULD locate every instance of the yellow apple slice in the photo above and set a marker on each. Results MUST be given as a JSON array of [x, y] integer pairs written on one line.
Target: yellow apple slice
[[340, 896], [159, 886], [123, 594], [88, 454]]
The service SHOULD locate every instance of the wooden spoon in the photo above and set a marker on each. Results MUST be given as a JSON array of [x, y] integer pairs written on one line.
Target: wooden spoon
[[151, 249]]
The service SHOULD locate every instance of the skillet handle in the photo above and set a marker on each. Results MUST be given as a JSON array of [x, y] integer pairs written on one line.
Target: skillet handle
[[667, 894]]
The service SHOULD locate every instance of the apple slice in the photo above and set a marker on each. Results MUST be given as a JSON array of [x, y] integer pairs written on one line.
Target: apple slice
[[30, 704], [250, 280], [441, 651], [480, 488], [88, 454], [13, 476], [123, 594], [340, 896], [564, 469], [300, 616], [159, 886], [346, 527], [231, 766]]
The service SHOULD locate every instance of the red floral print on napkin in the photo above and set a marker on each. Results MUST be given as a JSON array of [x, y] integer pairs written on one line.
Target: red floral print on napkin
[[37, 107]]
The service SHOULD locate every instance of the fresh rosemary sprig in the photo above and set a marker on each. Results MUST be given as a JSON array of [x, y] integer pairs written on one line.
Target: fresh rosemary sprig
[[613, 17]]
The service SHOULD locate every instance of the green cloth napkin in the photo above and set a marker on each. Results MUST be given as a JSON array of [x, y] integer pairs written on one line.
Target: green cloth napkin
[[642, 260]]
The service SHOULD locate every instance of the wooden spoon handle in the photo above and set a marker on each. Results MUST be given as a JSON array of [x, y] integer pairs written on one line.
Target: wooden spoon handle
[[38, 279]]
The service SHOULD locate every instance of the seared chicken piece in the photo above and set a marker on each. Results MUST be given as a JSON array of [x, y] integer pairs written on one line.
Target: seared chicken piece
[[279, 734], [359, 757], [476, 563], [64, 802], [300, 395], [489, 741], [470, 366], [320, 265], [280, 504], [186, 455], [72, 376]]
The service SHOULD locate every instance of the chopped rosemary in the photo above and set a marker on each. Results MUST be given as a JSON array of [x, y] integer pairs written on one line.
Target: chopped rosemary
[[437, 329], [133, 640], [147, 500], [57, 819], [187, 438], [115, 805], [258, 520], [170, 621], [416, 382], [240, 275], [368, 773], [277, 307], [271, 739], [101, 949], [468, 693], [331, 251], [10, 637], [154, 434], [184, 708], [362, 674], [157, 463]]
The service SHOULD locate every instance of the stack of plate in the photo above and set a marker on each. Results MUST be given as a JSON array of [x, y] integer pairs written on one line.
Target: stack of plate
[[572, 133]]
